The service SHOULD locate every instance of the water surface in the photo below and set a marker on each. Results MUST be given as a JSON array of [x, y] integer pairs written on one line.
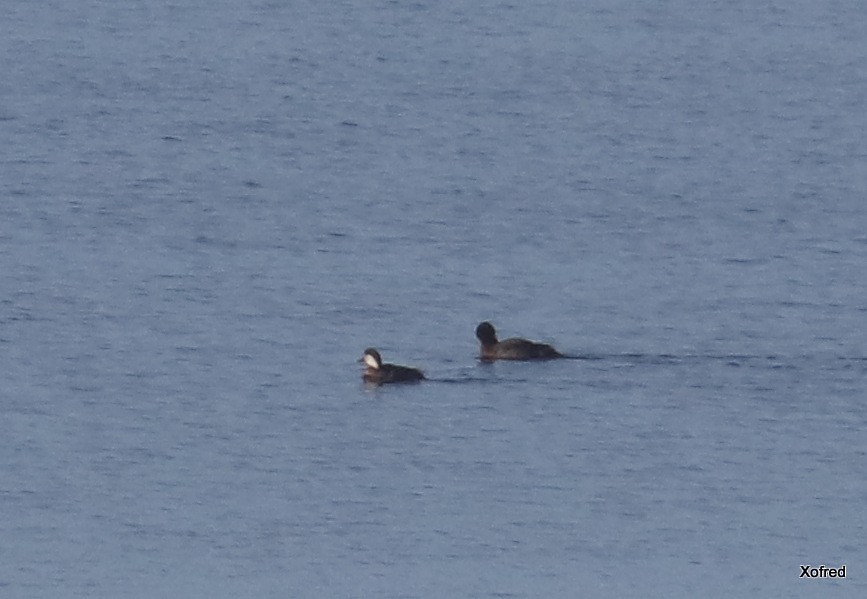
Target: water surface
[[207, 212]]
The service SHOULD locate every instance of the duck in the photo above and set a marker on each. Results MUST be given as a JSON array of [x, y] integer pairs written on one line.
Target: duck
[[379, 373], [511, 349]]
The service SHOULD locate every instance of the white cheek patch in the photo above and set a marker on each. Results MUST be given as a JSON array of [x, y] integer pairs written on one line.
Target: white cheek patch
[[371, 361]]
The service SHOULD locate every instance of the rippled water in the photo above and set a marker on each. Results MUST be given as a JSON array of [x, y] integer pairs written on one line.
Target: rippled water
[[208, 210]]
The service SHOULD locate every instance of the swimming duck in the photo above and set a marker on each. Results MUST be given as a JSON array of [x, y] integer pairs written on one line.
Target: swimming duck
[[511, 349], [379, 373]]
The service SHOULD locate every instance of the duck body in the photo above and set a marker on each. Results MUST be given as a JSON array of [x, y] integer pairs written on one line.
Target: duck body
[[511, 349], [379, 373]]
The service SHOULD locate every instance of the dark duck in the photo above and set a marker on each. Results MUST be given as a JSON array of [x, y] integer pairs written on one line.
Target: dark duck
[[379, 373], [511, 349]]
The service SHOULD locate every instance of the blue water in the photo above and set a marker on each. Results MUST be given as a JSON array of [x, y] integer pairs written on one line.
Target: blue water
[[209, 209]]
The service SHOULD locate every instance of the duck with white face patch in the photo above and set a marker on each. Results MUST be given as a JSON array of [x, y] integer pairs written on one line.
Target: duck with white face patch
[[380, 373]]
